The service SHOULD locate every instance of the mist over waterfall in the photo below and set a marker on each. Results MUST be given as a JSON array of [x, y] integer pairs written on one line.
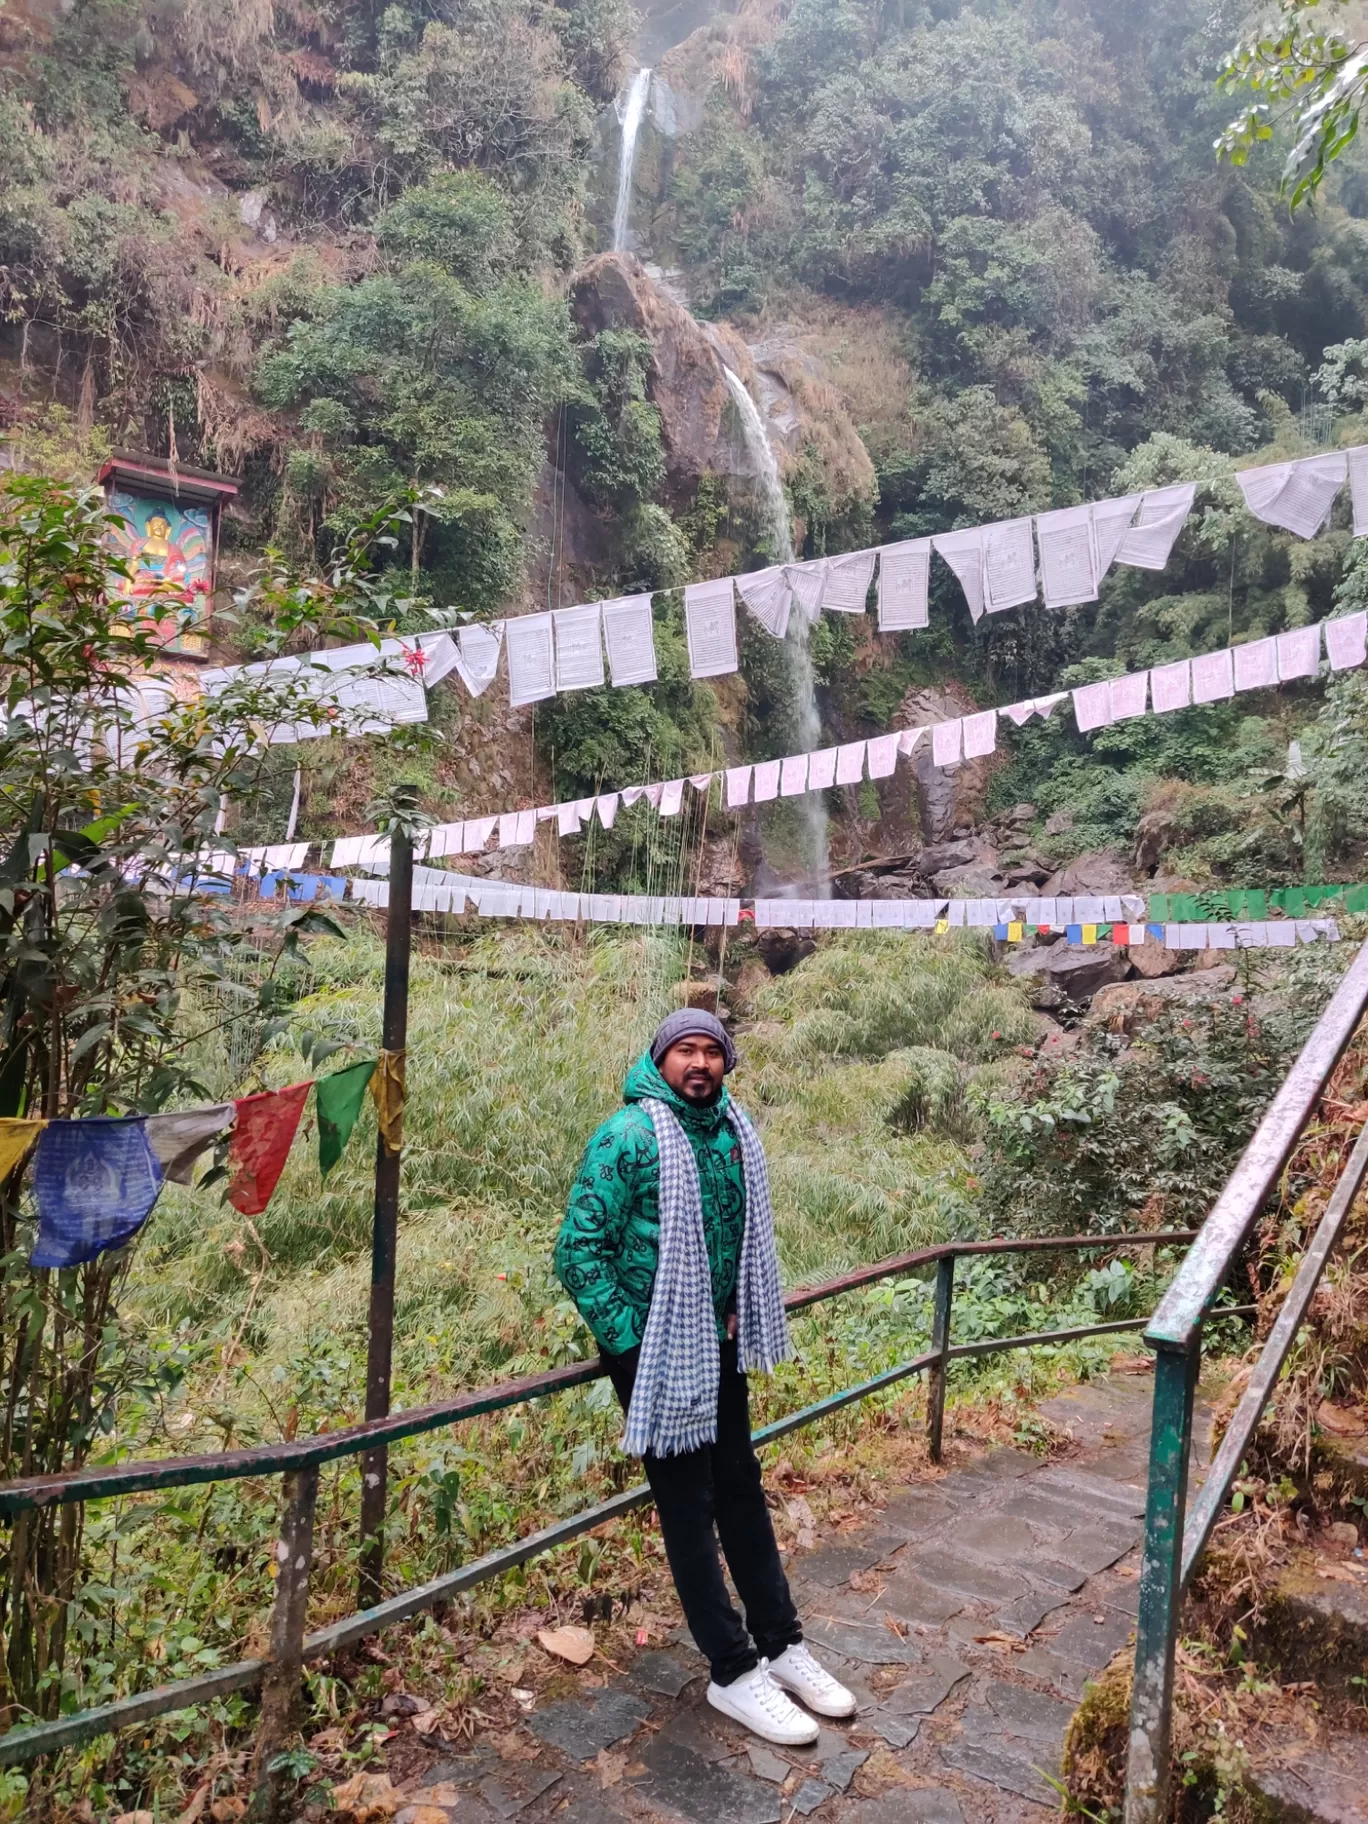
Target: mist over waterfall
[[779, 534], [633, 108]]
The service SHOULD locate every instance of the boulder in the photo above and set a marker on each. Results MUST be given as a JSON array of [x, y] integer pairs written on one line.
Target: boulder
[[980, 880], [1153, 960], [1065, 972], [948, 798], [1122, 1006], [1100, 871], [782, 950]]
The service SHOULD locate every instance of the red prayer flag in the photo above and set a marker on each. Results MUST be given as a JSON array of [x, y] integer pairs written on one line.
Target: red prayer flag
[[262, 1137]]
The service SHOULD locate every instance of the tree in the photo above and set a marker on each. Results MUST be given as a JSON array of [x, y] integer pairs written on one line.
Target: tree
[[1309, 79], [110, 796]]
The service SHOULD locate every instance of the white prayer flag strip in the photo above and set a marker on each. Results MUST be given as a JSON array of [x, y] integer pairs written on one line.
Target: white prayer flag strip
[[1149, 542], [579, 647], [531, 669], [738, 787], [1299, 653], [607, 808], [946, 743], [793, 776], [629, 633], [1358, 486], [1129, 696], [807, 581], [1069, 568], [768, 597], [671, 797], [710, 621], [822, 769], [847, 582], [477, 656], [1213, 676], [882, 756], [904, 585], [1092, 706], [1295, 496], [850, 763], [980, 734], [963, 551], [1171, 686], [766, 784], [1111, 520], [1256, 664], [1009, 565], [1346, 640]]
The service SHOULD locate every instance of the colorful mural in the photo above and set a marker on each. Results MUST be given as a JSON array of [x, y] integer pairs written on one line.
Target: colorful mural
[[169, 549]]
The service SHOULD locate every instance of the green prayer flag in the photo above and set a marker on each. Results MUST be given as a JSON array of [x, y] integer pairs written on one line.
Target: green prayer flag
[[1159, 908], [1256, 905], [1356, 899], [1294, 902], [338, 1100]]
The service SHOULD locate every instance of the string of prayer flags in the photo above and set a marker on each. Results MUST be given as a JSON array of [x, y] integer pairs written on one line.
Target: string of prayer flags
[[178, 1139], [629, 634], [94, 1184], [17, 1135], [710, 623], [387, 1091], [1295, 496], [337, 1104], [531, 659], [262, 1137]]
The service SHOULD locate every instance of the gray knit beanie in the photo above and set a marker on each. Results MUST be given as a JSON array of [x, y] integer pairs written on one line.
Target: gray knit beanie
[[690, 1022]]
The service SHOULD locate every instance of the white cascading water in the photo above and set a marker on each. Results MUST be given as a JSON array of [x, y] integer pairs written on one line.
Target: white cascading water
[[779, 533], [631, 113]]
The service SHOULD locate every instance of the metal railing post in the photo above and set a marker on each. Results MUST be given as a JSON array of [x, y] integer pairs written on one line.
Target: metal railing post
[[385, 1228], [940, 1344], [1161, 1589], [284, 1668]]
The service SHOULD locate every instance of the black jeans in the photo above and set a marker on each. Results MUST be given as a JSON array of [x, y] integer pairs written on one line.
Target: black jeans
[[718, 1487]]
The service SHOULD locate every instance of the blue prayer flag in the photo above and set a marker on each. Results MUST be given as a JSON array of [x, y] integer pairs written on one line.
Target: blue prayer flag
[[1000, 932], [1073, 934], [94, 1183]]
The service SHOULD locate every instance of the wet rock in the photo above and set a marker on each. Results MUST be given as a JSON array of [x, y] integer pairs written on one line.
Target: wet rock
[[783, 949], [702, 1790], [1150, 961], [1098, 872], [1067, 971], [579, 1727], [1124, 1006]]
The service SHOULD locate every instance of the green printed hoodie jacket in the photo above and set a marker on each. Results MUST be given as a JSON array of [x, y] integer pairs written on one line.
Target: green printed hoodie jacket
[[609, 1243]]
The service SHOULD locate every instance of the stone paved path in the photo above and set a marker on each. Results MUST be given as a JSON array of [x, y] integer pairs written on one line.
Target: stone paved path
[[980, 1604]]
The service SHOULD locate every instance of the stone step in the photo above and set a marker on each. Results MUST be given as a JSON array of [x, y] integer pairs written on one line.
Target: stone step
[[1315, 1625], [1320, 1782]]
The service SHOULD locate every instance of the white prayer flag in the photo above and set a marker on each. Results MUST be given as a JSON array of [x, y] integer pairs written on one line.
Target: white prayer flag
[[963, 551], [1162, 516], [531, 669], [1346, 640], [770, 600], [793, 775], [710, 621], [847, 582], [446, 839], [738, 787], [567, 820], [1092, 706], [1280, 933], [1069, 569], [766, 782], [1111, 521], [850, 763], [629, 632], [671, 797], [904, 585], [478, 832], [954, 914], [909, 737], [1213, 676], [1296, 496], [585, 808], [807, 581], [631, 794], [525, 828], [1299, 653], [579, 647], [882, 756], [1256, 664], [946, 739], [1358, 486], [1171, 686], [1020, 713], [607, 808], [1046, 706], [1129, 695], [980, 734], [1009, 565], [477, 656], [822, 769], [701, 782]]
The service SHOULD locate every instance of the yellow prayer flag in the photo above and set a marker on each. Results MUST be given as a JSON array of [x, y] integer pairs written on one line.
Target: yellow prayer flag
[[942, 926], [1014, 933], [16, 1137], [387, 1091], [1090, 934]]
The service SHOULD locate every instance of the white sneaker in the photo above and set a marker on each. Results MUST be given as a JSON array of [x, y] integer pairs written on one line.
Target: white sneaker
[[755, 1701], [810, 1682]]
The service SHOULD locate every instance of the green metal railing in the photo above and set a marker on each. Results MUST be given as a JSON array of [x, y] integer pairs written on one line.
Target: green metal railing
[[298, 1462], [1174, 1539]]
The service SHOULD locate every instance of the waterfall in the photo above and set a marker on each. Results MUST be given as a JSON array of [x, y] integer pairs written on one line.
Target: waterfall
[[632, 108], [779, 533]]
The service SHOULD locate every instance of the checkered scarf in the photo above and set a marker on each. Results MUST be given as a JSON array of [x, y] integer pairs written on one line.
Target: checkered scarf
[[674, 1401]]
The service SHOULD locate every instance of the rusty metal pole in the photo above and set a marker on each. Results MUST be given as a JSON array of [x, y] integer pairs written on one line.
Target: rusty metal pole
[[940, 1342], [385, 1226], [280, 1684]]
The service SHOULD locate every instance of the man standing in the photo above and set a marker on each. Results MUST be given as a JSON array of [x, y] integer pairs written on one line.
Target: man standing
[[667, 1249]]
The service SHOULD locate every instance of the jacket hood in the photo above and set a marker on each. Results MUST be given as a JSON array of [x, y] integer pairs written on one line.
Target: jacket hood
[[645, 1081]]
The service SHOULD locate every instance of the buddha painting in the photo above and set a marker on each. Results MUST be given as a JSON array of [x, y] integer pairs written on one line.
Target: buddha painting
[[166, 547]]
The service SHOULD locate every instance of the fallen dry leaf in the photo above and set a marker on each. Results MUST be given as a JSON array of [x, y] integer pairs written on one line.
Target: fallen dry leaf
[[228, 1810], [1343, 1421], [879, 1773], [366, 1796], [1132, 1364], [574, 1644], [444, 1793], [1009, 1641], [515, 1746], [522, 1698], [611, 1767], [135, 1817], [1338, 1573], [423, 1814], [427, 1722], [803, 1519]]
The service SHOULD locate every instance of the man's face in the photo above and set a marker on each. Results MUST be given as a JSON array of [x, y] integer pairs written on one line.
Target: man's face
[[694, 1068]]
